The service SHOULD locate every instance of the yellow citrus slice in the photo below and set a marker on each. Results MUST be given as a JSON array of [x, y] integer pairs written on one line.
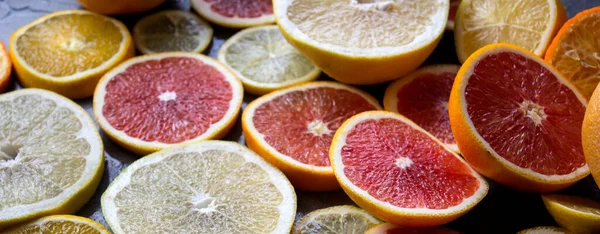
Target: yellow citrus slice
[[336, 219], [590, 135], [68, 51], [265, 61], [235, 13], [388, 228], [51, 156], [363, 41], [208, 187], [544, 230], [111, 7], [576, 214], [172, 30], [67, 224], [530, 24], [5, 68], [151, 102]]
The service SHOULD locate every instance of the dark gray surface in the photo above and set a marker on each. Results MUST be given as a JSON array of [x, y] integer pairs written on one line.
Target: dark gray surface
[[502, 211]]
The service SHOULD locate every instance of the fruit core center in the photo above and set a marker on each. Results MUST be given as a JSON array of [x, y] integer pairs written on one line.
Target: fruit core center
[[318, 128], [379, 5], [73, 44], [167, 96], [8, 151], [534, 111], [203, 203], [403, 162]]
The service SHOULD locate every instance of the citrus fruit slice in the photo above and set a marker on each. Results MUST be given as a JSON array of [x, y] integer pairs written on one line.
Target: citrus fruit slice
[[336, 219], [422, 96], [5, 68], [172, 30], [60, 224], [530, 24], [400, 173], [236, 13], [452, 14], [208, 187], [517, 120], [293, 128], [544, 230], [591, 135], [51, 156], [388, 228], [265, 61], [577, 214], [68, 51], [119, 7], [363, 41], [575, 51], [151, 102]]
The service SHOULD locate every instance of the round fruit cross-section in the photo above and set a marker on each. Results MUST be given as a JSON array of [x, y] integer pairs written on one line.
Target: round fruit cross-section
[[402, 174], [591, 135], [576, 214], [60, 224], [292, 128], [236, 13], [208, 187], [517, 120], [423, 96], [151, 102], [51, 156], [5, 67], [388, 228], [336, 219], [545, 230]]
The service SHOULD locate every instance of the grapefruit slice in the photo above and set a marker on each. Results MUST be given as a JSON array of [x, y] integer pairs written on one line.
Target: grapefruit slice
[[236, 13], [388, 228], [5, 68], [60, 224], [337, 219], [400, 173], [422, 96], [591, 135], [208, 187], [293, 128], [577, 214], [151, 102], [452, 14], [517, 120], [545, 230]]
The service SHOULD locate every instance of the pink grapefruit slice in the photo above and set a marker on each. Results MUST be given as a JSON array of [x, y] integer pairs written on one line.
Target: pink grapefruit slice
[[236, 13], [517, 120], [154, 101], [402, 174], [422, 96], [293, 128]]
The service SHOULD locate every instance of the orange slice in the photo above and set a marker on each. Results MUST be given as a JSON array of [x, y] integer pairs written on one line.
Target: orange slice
[[591, 135], [388, 228], [293, 128], [236, 13], [400, 173], [111, 7], [5, 67], [577, 214], [575, 51], [517, 120], [60, 224], [544, 230]]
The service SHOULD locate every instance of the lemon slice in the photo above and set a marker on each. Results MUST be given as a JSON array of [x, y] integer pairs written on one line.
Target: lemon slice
[[60, 224], [172, 31], [337, 219], [209, 187], [579, 215], [51, 156]]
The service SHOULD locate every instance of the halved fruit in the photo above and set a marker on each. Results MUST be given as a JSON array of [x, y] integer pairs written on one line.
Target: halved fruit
[[452, 14], [172, 30], [67, 224], [590, 135], [517, 120], [422, 96], [576, 214], [402, 174], [51, 156], [236, 13], [5, 68], [208, 187], [388, 228], [112, 7], [293, 128], [363, 41], [68, 51], [336, 219], [544, 230], [530, 24], [575, 51], [265, 61], [151, 102]]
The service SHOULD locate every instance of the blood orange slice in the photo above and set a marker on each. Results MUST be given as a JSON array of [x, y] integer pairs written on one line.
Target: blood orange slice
[[400, 173], [422, 96], [388, 228], [517, 120], [151, 102], [293, 128], [236, 13]]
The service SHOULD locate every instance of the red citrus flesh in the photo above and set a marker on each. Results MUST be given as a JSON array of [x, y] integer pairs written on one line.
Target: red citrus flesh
[[396, 163], [170, 100], [301, 124], [241, 8], [453, 8], [425, 101], [526, 114]]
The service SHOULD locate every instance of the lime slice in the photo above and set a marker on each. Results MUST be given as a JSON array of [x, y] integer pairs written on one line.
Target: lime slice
[[337, 219], [51, 156], [172, 31], [265, 61], [209, 187]]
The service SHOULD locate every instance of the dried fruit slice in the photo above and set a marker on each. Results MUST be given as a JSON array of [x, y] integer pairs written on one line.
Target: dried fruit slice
[[151, 102], [336, 219], [388, 228], [5, 68], [398, 172], [60, 224], [236, 13], [208, 187], [517, 120], [576, 214], [544, 230]]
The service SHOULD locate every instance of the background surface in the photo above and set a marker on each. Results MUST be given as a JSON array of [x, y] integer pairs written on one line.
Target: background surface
[[502, 211]]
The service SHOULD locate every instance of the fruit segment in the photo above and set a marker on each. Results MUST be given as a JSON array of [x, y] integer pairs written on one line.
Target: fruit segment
[[60, 224], [236, 13]]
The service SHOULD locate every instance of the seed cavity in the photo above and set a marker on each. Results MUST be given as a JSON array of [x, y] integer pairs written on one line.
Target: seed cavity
[[534, 111], [318, 128], [7, 151], [167, 96], [403, 162]]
